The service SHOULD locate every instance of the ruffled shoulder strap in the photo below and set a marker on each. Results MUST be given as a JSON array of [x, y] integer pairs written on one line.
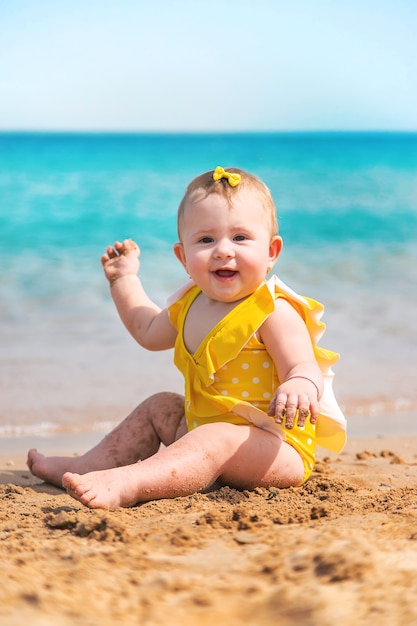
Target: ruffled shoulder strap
[[311, 311]]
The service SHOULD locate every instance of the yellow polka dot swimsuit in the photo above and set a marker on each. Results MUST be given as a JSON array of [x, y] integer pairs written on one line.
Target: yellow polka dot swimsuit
[[231, 377]]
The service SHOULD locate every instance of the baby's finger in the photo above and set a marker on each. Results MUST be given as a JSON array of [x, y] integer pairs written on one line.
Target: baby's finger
[[118, 247], [303, 414], [126, 247], [314, 412], [109, 254], [280, 408], [112, 251], [291, 411], [272, 407], [303, 411]]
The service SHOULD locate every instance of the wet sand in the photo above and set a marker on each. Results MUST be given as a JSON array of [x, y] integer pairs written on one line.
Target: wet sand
[[341, 549]]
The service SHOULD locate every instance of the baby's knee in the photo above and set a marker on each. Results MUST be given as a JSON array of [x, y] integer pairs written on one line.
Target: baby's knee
[[167, 397], [167, 404]]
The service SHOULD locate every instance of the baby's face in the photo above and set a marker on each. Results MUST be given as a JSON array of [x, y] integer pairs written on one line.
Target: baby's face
[[227, 249]]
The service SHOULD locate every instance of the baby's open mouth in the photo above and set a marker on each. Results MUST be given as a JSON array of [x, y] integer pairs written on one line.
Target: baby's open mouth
[[225, 273]]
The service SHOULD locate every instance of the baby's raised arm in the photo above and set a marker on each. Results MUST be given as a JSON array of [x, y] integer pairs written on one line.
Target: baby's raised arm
[[145, 320]]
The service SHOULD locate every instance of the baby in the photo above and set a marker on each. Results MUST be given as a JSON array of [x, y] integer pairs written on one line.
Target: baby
[[258, 390]]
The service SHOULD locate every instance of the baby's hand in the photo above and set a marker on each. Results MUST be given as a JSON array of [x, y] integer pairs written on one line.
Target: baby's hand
[[296, 394], [120, 260]]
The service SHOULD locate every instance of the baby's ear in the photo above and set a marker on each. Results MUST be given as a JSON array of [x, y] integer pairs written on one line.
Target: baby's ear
[[180, 254], [275, 248]]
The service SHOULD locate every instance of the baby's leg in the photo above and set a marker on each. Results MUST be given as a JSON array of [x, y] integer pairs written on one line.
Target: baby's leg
[[240, 456], [158, 419]]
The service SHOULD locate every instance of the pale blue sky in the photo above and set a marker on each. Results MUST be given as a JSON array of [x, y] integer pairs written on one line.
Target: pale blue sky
[[199, 65]]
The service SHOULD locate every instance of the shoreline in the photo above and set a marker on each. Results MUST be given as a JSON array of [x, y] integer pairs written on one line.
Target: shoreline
[[13, 462], [395, 432], [379, 425]]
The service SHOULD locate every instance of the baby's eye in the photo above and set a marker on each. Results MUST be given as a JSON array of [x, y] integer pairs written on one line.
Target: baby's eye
[[206, 240], [239, 237]]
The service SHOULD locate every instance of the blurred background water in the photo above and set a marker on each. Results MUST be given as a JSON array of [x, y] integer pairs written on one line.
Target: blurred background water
[[347, 208]]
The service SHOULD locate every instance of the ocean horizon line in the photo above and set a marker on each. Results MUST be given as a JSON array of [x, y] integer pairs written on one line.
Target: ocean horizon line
[[208, 133]]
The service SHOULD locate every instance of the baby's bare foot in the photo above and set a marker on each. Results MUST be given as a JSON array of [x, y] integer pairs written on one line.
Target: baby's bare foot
[[106, 489], [52, 468]]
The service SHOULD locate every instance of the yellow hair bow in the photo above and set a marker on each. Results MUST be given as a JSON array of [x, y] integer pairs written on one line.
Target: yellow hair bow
[[232, 178]]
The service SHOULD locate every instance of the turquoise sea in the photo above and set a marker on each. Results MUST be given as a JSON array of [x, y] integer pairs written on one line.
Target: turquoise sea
[[347, 207]]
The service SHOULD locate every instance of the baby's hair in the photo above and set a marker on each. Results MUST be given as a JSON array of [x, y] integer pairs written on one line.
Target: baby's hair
[[204, 185]]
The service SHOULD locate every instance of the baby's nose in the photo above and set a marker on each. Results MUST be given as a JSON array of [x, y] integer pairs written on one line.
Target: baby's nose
[[224, 249]]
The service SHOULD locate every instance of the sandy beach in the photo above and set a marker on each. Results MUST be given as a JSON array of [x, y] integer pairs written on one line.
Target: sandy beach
[[340, 550]]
